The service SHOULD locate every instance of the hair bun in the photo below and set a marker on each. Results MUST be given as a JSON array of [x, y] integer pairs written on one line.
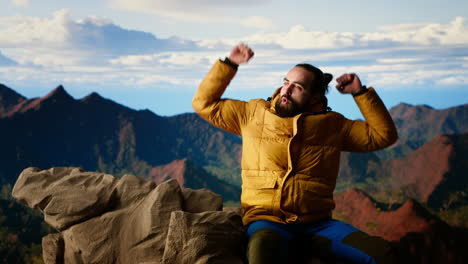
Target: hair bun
[[327, 77]]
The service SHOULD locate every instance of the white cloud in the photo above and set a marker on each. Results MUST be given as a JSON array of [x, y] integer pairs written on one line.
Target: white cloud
[[134, 60], [178, 9], [299, 37], [418, 77], [456, 32], [96, 50], [21, 31], [257, 22], [186, 10], [183, 59], [207, 11], [22, 3], [454, 80], [96, 34], [398, 60]]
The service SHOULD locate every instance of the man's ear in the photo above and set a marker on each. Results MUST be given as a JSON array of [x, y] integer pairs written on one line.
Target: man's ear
[[315, 99]]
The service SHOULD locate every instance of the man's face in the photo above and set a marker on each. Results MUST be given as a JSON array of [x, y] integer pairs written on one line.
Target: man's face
[[295, 93]]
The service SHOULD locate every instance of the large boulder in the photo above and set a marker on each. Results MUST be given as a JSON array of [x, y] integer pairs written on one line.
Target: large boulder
[[103, 219]]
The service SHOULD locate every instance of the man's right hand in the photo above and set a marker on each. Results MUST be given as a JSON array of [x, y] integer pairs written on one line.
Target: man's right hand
[[241, 54]]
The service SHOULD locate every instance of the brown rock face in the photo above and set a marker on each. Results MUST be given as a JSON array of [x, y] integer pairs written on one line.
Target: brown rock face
[[430, 162], [361, 211], [65, 195], [193, 238], [420, 236], [434, 174], [103, 219]]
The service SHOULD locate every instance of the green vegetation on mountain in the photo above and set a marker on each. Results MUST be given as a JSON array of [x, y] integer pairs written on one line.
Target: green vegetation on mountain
[[21, 232]]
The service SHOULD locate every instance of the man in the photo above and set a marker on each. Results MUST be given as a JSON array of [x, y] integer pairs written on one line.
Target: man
[[290, 160]]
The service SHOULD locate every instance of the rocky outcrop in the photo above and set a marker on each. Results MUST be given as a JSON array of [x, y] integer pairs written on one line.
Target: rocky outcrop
[[103, 219]]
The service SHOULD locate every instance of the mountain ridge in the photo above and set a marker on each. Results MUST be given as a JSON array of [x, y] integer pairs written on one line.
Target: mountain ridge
[[419, 124], [99, 134], [8, 99]]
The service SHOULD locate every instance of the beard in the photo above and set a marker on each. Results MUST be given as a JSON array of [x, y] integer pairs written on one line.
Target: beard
[[289, 109]]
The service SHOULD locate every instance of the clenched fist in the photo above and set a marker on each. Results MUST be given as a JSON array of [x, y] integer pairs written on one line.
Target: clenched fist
[[241, 54], [349, 83]]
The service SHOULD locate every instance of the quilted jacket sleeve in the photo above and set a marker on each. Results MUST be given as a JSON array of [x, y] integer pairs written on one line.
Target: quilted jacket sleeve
[[376, 132], [226, 114]]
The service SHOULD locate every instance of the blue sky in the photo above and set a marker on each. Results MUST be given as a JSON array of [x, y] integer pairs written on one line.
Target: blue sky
[[153, 53]]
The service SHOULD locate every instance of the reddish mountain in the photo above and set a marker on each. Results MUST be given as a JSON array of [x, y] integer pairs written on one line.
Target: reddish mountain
[[434, 174], [419, 124], [189, 175], [359, 209], [420, 236], [58, 96], [8, 99], [433, 171]]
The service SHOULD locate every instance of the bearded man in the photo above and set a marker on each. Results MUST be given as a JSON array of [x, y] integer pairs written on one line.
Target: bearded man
[[290, 159]]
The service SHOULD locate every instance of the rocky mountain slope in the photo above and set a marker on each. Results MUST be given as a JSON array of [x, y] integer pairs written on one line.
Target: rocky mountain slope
[[98, 134], [190, 175], [420, 124], [8, 99], [420, 236], [434, 174]]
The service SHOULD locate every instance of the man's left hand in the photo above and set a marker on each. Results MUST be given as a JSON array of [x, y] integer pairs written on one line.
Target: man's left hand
[[349, 83]]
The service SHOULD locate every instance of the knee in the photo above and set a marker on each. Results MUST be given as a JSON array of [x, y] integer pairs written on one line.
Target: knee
[[265, 246], [378, 248], [265, 239]]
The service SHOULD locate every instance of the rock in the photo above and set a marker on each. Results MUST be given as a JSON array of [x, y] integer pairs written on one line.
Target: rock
[[146, 227], [197, 201], [131, 189], [103, 219], [53, 248], [208, 237], [66, 195]]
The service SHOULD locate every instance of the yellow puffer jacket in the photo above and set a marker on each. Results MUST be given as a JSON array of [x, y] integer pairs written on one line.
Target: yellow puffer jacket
[[290, 165]]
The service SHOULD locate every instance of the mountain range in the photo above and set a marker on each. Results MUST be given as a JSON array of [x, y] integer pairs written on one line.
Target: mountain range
[[428, 162], [98, 134]]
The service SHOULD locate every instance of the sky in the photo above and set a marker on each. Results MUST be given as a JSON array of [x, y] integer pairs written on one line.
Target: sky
[[152, 54]]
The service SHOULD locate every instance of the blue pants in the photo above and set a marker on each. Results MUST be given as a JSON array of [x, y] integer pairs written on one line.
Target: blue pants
[[331, 239]]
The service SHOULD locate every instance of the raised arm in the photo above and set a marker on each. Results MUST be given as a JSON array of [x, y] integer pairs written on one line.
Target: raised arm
[[378, 130], [226, 114]]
